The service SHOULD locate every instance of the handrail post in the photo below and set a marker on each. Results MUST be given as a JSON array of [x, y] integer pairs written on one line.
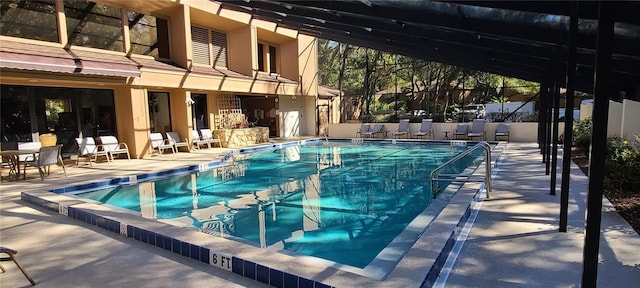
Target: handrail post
[[487, 161]]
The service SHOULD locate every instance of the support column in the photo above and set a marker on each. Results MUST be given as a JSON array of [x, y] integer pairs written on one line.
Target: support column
[[601, 95], [556, 115], [568, 118], [548, 127], [542, 123]]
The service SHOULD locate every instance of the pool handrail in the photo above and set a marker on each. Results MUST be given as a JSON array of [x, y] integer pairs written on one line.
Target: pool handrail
[[456, 177]]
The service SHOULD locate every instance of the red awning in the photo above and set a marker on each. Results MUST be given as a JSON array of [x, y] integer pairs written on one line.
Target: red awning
[[66, 65]]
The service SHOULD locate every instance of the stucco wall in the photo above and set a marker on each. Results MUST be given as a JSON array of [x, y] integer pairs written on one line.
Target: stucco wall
[[630, 120], [614, 122]]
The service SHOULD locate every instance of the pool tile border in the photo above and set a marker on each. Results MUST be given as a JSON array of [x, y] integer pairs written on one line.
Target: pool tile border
[[240, 266]]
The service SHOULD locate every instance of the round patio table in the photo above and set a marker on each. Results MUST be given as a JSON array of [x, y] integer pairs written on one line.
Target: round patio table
[[14, 160]]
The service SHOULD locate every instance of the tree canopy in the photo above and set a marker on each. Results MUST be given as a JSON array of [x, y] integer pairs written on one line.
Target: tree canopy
[[429, 86]]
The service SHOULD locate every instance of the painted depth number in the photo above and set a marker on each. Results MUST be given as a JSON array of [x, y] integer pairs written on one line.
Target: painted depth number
[[220, 260]]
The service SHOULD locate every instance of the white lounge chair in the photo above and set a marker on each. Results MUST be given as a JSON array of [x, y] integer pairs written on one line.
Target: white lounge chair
[[174, 138], [364, 128], [403, 129], [160, 144], [47, 156], [196, 140], [461, 131], [477, 129], [88, 149], [207, 135], [502, 130], [425, 129], [377, 129], [114, 147]]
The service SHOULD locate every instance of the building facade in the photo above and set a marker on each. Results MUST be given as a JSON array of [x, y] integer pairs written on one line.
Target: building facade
[[81, 68]]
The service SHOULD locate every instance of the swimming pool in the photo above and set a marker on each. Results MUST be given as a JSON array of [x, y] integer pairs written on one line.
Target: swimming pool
[[340, 201]]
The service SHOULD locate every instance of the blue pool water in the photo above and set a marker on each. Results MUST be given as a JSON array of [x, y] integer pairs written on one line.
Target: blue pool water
[[339, 201]]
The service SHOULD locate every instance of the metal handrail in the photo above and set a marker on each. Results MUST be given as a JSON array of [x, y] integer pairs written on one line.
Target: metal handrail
[[487, 161]]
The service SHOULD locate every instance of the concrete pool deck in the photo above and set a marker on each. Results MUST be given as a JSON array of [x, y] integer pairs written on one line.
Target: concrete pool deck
[[514, 241]]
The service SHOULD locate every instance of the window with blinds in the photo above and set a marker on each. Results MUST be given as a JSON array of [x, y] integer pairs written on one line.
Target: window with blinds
[[219, 49], [200, 40]]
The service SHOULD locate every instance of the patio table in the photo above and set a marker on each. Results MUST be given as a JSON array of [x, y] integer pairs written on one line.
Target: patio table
[[14, 160]]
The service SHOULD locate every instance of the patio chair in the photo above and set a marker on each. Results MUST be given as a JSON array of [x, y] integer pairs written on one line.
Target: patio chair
[[197, 141], [502, 130], [174, 138], [364, 127], [403, 129], [47, 156], [11, 256], [113, 147], [461, 131], [477, 129], [27, 146], [207, 135], [159, 144], [425, 129], [377, 129], [88, 149]]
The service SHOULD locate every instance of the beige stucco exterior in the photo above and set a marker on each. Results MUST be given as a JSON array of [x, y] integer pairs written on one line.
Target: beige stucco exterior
[[295, 85]]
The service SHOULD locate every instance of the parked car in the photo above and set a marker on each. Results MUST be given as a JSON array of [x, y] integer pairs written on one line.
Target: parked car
[[474, 111]]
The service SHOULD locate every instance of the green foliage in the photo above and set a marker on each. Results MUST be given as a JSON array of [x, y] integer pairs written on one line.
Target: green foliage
[[429, 86], [582, 133], [622, 165]]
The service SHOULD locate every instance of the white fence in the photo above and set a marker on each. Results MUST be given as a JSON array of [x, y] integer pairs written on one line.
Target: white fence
[[624, 118]]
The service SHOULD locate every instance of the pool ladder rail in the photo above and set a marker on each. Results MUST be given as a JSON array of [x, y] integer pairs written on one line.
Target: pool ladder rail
[[435, 176]]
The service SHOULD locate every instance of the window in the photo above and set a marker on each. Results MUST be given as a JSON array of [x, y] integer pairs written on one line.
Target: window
[[93, 25], [272, 60], [149, 35], [199, 111], [159, 111], [261, 57], [29, 19], [202, 53], [267, 58], [219, 48], [200, 45], [67, 112]]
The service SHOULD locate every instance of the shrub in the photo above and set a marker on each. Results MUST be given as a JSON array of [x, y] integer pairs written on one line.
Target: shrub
[[622, 165], [582, 133]]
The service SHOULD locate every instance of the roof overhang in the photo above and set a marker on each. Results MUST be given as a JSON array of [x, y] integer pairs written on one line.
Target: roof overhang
[[521, 39]]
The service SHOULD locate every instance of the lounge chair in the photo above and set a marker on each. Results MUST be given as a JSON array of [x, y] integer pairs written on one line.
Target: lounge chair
[[207, 135], [502, 130], [403, 129], [364, 127], [159, 144], [47, 156], [88, 149], [27, 146], [113, 147], [377, 129], [477, 129], [461, 131], [196, 140], [425, 129], [11, 256], [174, 138]]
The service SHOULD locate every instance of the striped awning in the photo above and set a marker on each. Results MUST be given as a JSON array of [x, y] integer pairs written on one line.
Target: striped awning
[[56, 60]]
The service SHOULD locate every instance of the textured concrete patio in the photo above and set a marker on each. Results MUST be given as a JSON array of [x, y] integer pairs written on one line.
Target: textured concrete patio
[[514, 241]]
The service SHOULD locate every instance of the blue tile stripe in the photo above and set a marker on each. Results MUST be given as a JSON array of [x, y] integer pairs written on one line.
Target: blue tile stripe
[[246, 268], [435, 269]]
